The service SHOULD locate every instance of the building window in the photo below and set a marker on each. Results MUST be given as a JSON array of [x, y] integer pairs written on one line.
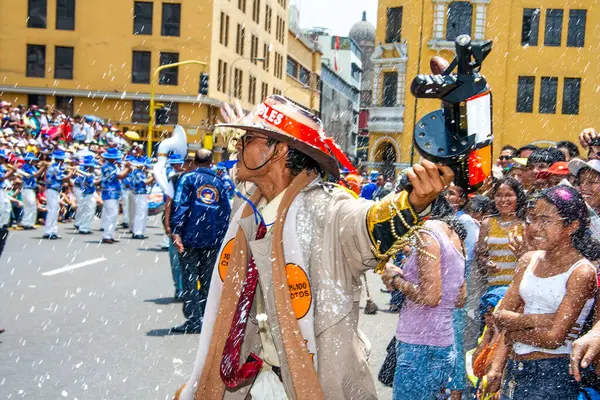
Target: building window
[[393, 29], [548, 95], [264, 91], [571, 92], [142, 18], [278, 66], [141, 111], [242, 5], [254, 49], [304, 76], [36, 13], [576, 33], [141, 67], [553, 32], [222, 77], [171, 19], [65, 15], [63, 62], [238, 81], [240, 38], [36, 100], [36, 61], [525, 94], [266, 56], [280, 33], [169, 76], [268, 18], [224, 30], [355, 72], [172, 113], [460, 18], [252, 90], [531, 27], [256, 11], [64, 104], [276, 91], [390, 89], [292, 68]]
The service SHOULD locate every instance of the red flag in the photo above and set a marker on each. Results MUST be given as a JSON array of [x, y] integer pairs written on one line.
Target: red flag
[[335, 56]]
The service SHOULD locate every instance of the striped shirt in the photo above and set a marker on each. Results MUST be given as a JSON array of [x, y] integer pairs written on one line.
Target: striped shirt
[[501, 254]]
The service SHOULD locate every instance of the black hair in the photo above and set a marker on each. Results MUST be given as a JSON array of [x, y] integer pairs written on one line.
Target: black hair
[[532, 147], [548, 156], [518, 189], [297, 161], [571, 207], [441, 210], [511, 148], [480, 203], [571, 147]]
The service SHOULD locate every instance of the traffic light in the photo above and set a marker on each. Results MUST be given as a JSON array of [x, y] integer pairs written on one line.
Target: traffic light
[[162, 116], [203, 84]]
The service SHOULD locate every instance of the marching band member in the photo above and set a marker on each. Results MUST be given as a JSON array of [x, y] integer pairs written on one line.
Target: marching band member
[[127, 198], [88, 195], [4, 210], [30, 175], [77, 191], [111, 192], [55, 176], [291, 263], [140, 182]]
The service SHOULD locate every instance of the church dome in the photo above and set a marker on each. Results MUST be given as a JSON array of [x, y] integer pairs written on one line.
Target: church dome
[[363, 30]]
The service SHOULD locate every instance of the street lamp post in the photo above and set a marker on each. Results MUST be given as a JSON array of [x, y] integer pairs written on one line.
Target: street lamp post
[[154, 79], [259, 59]]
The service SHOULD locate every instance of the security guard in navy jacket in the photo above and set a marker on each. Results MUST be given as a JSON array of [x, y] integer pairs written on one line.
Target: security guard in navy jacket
[[199, 222]]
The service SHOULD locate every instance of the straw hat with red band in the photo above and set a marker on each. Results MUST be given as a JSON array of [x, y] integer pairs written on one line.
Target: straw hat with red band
[[280, 119]]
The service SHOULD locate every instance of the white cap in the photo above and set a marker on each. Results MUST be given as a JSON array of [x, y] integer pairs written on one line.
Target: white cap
[[576, 164]]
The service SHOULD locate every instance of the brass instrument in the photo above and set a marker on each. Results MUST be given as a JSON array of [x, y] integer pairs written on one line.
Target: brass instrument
[[77, 171], [17, 170]]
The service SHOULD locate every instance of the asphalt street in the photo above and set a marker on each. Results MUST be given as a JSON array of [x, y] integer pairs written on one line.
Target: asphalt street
[[86, 320]]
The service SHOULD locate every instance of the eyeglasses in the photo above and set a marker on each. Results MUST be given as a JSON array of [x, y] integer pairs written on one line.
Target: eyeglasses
[[505, 158], [247, 138], [541, 221]]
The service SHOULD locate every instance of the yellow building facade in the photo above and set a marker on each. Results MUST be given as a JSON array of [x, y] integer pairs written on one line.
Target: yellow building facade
[[98, 57], [542, 69]]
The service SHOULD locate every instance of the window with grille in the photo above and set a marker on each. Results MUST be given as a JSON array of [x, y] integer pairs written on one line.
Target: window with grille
[[37, 11], [531, 27], [36, 61], [571, 94], [553, 31], [65, 15], [63, 62], [292, 68], [460, 19], [141, 67], [171, 19], [576, 32], [525, 88], [169, 76], [393, 29], [548, 91]]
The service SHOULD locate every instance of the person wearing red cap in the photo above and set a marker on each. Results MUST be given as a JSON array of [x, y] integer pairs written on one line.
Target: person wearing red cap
[[282, 311]]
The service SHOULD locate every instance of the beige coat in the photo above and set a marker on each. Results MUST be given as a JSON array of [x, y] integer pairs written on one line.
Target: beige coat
[[332, 227]]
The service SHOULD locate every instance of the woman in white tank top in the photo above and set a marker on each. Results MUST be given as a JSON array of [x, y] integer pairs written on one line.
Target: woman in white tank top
[[545, 307]]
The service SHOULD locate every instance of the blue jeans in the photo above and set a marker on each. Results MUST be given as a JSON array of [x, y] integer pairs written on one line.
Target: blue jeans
[[539, 380], [458, 376], [175, 267], [421, 371]]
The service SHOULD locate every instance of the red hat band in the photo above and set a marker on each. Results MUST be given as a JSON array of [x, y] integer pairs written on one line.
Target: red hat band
[[291, 127]]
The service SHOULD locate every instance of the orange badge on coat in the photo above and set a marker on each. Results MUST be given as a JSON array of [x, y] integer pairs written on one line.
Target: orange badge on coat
[[300, 291], [224, 259]]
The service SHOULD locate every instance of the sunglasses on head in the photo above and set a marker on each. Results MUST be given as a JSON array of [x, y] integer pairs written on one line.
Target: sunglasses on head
[[505, 158]]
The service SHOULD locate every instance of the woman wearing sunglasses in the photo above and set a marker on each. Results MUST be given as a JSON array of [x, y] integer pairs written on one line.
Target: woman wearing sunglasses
[[544, 309]]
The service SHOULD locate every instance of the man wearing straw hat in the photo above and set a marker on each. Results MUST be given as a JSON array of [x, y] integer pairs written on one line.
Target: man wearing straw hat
[[55, 176], [111, 192], [30, 175], [282, 312]]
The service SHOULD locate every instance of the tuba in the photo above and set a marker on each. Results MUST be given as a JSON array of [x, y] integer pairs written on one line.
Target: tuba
[[177, 144]]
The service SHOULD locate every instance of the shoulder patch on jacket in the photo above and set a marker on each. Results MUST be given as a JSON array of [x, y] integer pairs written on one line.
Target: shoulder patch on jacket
[[208, 194]]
